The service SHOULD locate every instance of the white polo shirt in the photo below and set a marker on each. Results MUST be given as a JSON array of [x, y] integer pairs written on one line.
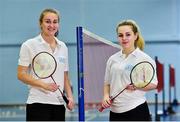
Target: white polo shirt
[[118, 76], [28, 50]]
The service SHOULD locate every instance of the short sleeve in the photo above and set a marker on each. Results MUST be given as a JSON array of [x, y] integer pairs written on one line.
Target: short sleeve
[[24, 56], [107, 73], [154, 80], [66, 61]]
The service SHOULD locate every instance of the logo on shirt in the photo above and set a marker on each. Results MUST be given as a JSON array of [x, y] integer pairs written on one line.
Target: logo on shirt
[[62, 59], [129, 67]]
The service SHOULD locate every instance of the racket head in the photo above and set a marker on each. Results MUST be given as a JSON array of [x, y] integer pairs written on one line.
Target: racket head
[[44, 65], [142, 74]]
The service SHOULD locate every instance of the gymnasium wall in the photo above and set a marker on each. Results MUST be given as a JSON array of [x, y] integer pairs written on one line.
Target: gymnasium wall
[[158, 20]]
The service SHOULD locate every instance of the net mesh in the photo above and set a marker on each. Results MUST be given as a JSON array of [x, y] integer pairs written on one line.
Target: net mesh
[[96, 52]]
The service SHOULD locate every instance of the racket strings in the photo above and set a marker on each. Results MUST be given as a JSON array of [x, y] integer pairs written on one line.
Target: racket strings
[[142, 74]]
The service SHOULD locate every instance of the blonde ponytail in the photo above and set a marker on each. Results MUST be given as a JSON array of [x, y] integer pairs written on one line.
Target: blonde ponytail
[[140, 42]]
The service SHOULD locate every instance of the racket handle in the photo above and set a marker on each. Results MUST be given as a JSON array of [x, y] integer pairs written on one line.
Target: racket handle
[[65, 99], [101, 109]]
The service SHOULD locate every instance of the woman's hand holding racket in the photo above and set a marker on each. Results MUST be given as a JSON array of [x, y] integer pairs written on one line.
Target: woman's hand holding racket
[[70, 105], [51, 87], [131, 87], [106, 103]]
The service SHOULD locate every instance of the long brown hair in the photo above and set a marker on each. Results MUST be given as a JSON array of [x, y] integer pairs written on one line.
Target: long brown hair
[[139, 42]]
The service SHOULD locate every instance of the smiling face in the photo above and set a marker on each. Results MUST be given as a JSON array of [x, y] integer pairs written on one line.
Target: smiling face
[[49, 23], [126, 37]]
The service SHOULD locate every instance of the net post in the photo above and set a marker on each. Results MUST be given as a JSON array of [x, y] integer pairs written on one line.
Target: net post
[[79, 32]]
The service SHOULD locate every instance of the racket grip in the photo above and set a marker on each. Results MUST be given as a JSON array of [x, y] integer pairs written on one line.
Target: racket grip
[[101, 109], [65, 99]]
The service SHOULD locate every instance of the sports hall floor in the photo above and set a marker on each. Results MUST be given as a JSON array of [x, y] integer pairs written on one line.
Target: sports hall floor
[[17, 113]]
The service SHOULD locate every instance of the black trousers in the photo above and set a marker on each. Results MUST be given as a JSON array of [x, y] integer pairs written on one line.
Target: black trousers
[[140, 113], [45, 112]]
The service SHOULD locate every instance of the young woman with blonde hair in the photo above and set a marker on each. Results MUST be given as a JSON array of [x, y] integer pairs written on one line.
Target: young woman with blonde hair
[[131, 104]]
